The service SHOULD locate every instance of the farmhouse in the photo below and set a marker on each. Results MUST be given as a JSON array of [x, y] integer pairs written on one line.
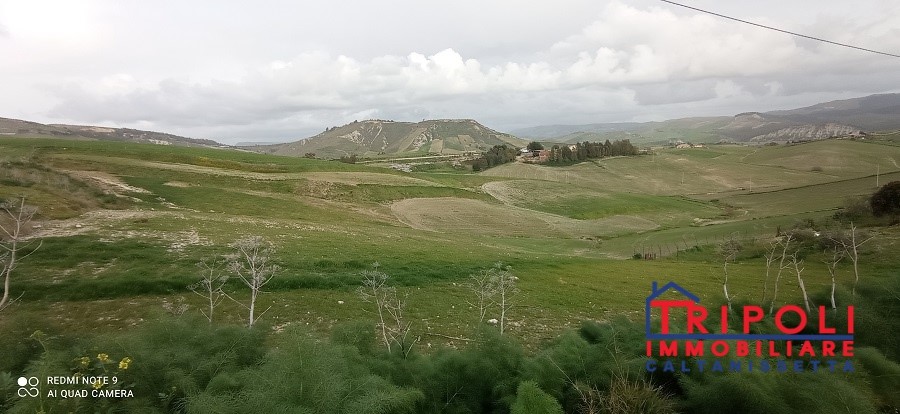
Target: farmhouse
[[536, 156]]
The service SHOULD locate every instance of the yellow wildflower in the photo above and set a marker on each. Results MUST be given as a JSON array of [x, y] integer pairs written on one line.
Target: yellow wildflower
[[97, 384], [123, 364], [83, 361], [104, 358]]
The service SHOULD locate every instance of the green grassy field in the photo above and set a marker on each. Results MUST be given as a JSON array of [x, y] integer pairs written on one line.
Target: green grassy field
[[124, 225], [122, 228]]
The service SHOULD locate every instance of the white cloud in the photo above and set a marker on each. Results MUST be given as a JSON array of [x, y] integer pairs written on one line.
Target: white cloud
[[633, 61], [728, 89]]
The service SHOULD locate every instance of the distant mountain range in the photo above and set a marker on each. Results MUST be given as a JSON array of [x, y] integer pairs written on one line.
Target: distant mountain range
[[379, 137], [824, 120], [19, 128], [456, 136]]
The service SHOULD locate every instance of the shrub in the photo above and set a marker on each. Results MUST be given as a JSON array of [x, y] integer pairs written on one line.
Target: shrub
[[305, 375], [531, 399], [854, 209], [773, 393], [627, 396], [886, 201], [883, 376]]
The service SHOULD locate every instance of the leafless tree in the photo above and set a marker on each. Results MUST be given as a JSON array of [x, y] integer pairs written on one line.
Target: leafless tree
[[389, 306], [785, 242], [210, 285], [482, 285], [400, 330], [771, 256], [375, 290], [252, 264], [837, 254], [729, 251], [851, 244], [797, 264], [12, 243], [505, 287], [494, 287]]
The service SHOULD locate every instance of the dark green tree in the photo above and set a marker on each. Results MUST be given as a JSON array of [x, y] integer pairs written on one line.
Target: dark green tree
[[886, 201], [535, 146], [498, 154], [566, 154]]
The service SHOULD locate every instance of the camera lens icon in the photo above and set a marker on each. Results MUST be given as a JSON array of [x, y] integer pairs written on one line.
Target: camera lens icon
[[28, 387]]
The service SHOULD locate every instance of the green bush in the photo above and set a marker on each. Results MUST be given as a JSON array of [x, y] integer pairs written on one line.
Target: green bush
[[167, 361], [530, 399], [481, 377], [636, 396], [578, 363], [305, 375], [883, 376], [773, 393]]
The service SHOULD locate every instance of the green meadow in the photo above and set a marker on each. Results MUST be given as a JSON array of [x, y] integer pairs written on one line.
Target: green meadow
[[123, 227]]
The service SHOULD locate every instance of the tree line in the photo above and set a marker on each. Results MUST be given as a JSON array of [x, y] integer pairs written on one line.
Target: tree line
[[583, 151], [497, 155]]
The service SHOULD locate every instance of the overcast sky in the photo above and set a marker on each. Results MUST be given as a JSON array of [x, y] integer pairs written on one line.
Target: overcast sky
[[283, 70]]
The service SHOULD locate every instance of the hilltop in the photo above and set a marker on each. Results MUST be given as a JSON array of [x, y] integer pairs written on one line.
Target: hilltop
[[820, 121], [19, 128], [380, 137]]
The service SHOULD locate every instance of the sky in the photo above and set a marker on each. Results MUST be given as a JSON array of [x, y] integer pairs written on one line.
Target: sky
[[284, 70]]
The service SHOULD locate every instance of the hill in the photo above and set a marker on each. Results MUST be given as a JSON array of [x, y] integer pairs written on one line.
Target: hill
[[820, 121], [875, 112], [19, 128], [379, 137], [123, 227]]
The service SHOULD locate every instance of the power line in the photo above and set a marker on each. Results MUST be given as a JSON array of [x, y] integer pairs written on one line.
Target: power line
[[781, 30]]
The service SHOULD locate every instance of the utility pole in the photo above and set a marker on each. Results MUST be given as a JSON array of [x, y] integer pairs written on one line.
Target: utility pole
[[877, 174]]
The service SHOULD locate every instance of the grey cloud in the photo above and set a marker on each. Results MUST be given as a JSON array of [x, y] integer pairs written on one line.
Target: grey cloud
[[674, 92], [182, 104], [622, 62]]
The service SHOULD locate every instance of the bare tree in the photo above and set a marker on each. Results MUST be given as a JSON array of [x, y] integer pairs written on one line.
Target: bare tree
[[210, 285], [252, 264], [837, 255], [785, 242], [11, 243], [400, 326], [482, 285], [375, 290], [729, 251], [851, 244], [771, 256], [505, 287], [389, 306], [797, 264]]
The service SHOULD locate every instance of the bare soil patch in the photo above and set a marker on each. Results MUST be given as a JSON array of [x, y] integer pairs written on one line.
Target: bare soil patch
[[105, 181]]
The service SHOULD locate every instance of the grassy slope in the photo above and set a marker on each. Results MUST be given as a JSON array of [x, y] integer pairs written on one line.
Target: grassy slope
[[330, 220]]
